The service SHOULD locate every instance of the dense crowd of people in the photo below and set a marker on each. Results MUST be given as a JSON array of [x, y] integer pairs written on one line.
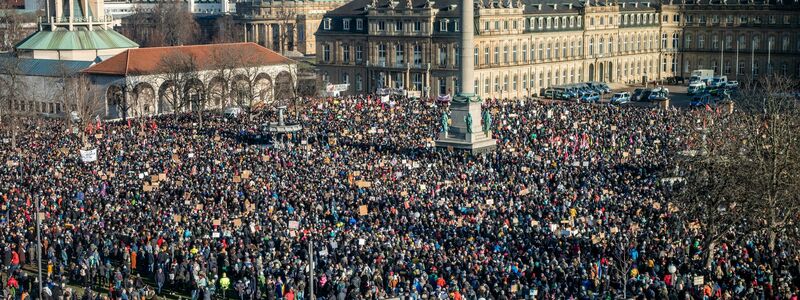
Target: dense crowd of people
[[571, 205]]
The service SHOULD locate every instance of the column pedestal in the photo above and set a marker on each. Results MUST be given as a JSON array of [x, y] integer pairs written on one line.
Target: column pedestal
[[458, 137]]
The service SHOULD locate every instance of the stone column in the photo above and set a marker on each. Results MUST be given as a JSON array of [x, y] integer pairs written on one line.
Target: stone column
[[467, 69], [466, 131], [256, 27]]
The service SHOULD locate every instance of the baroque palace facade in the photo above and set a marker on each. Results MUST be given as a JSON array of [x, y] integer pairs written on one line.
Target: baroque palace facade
[[523, 47]]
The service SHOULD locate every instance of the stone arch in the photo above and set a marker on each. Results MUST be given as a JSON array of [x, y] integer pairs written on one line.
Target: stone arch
[[216, 93], [145, 97], [284, 85], [240, 90], [263, 88], [591, 72], [115, 100], [194, 92], [167, 101]]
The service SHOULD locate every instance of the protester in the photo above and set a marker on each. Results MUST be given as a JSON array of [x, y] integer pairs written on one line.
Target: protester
[[571, 191]]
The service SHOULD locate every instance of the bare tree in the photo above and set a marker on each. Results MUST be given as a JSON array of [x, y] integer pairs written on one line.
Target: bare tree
[[12, 95], [771, 152], [86, 101], [286, 16], [621, 261], [225, 31], [180, 70], [169, 23], [13, 26]]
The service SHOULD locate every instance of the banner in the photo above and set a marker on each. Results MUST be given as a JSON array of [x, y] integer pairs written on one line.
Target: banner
[[89, 155], [385, 99], [443, 98], [337, 87]]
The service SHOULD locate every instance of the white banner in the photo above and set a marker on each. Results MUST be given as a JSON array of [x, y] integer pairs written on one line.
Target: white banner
[[89, 155], [385, 99], [444, 98], [337, 87]]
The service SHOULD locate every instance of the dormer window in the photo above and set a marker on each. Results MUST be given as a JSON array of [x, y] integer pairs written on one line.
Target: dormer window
[[443, 25], [346, 24], [455, 25], [326, 24], [359, 24]]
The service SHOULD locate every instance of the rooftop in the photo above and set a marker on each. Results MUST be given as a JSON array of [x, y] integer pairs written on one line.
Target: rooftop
[[143, 61], [45, 67], [75, 40]]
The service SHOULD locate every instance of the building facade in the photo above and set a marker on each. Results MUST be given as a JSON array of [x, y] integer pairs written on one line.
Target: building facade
[[287, 27], [137, 82], [520, 47]]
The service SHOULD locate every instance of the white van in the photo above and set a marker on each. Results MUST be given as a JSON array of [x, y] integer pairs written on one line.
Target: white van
[[232, 112], [695, 87]]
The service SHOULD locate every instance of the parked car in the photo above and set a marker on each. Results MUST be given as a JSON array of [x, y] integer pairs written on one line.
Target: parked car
[[701, 100], [658, 96], [620, 98], [733, 84], [643, 95], [695, 87], [590, 97]]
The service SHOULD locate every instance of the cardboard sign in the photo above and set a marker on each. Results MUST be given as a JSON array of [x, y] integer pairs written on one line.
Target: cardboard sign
[[363, 210], [154, 178], [523, 192], [363, 184], [638, 151], [162, 176], [237, 179], [698, 280], [294, 225], [361, 242], [614, 229], [175, 158], [147, 188], [216, 222], [237, 223], [489, 201], [198, 207], [177, 218], [246, 174]]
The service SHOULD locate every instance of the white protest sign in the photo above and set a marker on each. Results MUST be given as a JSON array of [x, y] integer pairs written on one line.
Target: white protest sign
[[89, 155]]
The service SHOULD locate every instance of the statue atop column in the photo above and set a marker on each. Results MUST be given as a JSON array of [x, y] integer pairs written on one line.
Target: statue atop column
[[445, 123]]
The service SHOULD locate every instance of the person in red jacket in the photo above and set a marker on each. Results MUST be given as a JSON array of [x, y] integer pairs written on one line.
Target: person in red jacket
[[14, 260]]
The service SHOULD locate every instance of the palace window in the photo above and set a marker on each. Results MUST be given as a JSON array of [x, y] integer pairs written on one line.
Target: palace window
[[359, 83], [346, 24], [326, 24], [359, 54], [496, 54], [514, 54], [398, 26], [417, 26], [399, 55], [443, 56], [418, 55], [359, 24], [505, 54], [486, 59], [524, 53], [381, 26], [701, 41], [326, 53], [443, 25], [382, 54], [346, 54]]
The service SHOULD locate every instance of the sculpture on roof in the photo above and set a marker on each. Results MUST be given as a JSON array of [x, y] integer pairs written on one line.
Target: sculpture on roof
[[409, 5], [519, 4], [373, 3], [508, 4], [428, 4]]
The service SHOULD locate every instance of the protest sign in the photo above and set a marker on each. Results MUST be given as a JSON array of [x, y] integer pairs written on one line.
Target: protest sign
[[363, 210], [88, 155], [294, 225]]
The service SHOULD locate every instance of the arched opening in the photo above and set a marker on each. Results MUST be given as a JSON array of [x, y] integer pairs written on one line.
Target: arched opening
[[216, 93], [144, 96], [610, 72], [591, 72], [263, 89], [116, 102], [194, 93], [240, 91], [601, 73], [167, 98]]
